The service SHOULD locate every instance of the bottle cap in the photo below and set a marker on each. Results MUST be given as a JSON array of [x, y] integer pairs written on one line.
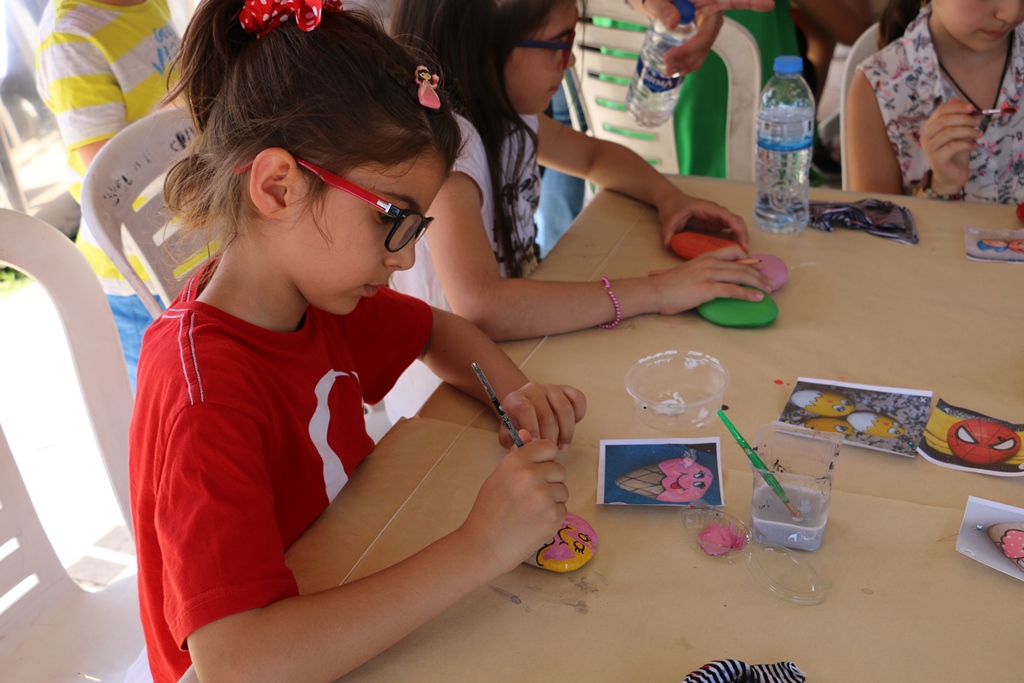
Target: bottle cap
[[686, 11], [788, 65]]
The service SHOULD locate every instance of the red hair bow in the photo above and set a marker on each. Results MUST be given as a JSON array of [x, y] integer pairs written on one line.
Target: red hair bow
[[262, 16]]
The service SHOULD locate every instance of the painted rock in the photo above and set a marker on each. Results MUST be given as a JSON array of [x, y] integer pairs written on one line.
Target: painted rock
[[690, 245], [1009, 537], [739, 312], [773, 267], [569, 549]]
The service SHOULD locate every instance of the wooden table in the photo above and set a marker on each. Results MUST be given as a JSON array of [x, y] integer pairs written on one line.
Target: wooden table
[[903, 605]]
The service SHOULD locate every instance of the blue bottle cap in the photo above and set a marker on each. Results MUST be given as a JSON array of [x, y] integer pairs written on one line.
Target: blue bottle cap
[[788, 65], [686, 11]]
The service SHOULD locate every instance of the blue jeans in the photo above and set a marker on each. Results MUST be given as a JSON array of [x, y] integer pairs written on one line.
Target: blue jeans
[[132, 319], [561, 197]]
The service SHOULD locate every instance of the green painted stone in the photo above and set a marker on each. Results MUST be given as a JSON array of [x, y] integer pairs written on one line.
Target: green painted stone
[[740, 313]]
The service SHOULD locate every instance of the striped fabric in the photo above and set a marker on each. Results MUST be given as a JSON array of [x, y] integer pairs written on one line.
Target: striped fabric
[[99, 67], [735, 671]]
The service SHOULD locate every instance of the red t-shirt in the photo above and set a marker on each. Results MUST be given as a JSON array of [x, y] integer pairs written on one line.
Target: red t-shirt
[[240, 438]]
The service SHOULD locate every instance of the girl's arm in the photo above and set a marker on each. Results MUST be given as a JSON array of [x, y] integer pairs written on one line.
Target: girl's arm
[[322, 636], [549, 411], [615, 167], [519, 308], [872, 162]]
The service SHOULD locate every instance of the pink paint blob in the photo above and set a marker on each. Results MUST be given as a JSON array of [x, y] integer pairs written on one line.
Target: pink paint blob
[[717, 540]]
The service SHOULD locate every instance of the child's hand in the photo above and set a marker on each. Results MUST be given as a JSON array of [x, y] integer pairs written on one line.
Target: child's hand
[[948, 138], [520, 506], [711, 275], [697, 214], [550, 410]]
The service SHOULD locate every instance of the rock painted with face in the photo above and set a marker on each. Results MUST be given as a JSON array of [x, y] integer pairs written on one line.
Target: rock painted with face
[[876, 424], [570, 548], [1009, 537], [982, 442], [824, 403]]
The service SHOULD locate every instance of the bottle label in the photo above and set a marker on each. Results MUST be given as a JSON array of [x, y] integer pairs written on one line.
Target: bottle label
[[655, 81], [785, 135]]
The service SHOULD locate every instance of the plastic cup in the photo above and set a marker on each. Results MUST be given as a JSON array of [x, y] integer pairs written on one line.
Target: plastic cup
[[802, 461]]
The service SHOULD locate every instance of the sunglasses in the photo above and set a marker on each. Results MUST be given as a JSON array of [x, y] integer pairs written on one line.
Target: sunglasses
[[566, 47], [408, 226]]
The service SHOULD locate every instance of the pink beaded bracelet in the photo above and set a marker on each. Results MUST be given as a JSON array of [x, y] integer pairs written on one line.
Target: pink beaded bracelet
[[615, 302]]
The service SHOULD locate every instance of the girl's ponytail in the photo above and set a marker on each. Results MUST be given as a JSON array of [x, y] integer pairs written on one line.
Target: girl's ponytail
[[895, 18], [213, 43]]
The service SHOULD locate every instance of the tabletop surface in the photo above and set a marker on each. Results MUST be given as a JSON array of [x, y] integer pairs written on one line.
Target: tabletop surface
[[903, 604]]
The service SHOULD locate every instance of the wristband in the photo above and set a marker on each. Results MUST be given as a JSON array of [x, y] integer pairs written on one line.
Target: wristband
[[927, 191], [615, 302]]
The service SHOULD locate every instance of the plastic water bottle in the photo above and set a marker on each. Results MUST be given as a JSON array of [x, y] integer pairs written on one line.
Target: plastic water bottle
[[785, 133], [653, 92]]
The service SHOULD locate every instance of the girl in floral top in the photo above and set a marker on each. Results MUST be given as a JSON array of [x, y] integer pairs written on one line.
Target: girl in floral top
[[936, 112]]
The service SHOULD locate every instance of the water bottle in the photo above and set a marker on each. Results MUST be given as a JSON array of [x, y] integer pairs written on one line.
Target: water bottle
[[653, 92], [785, 133]]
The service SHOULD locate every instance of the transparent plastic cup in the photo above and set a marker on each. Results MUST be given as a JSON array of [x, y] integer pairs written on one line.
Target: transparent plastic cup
[[802, 461]]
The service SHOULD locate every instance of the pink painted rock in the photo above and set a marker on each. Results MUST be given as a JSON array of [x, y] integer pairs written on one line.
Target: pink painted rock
[[772, 266], [569, 549]]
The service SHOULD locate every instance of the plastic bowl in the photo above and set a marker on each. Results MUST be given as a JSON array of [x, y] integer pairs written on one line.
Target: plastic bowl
[[677, 390], [715, 533]]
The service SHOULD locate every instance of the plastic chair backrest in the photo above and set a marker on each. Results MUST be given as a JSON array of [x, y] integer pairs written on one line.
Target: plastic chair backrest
[[118, 194], [50, 628], [862, 48], [47, 256], [609, 38]]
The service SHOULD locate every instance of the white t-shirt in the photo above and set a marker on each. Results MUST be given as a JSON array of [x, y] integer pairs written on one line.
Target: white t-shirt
[[415, 386]]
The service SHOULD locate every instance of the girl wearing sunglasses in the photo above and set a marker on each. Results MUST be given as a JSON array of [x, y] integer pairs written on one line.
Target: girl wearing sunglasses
[[506, 59]]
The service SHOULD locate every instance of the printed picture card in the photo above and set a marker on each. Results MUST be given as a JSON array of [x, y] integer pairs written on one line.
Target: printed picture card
[[660, 472], [993, 533], [966, 440], [883, 418]]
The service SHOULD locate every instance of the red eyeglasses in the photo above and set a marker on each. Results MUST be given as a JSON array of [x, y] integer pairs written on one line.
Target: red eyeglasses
[[408, 225], [566, 47]]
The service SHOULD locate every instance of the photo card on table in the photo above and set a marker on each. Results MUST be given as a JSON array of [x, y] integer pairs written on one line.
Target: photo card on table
[[970, 441], [660, 472], [882, 418], [1005, 246], [993, 533]]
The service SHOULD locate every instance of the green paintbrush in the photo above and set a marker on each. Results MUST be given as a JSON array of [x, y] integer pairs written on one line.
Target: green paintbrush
[[768, 477]]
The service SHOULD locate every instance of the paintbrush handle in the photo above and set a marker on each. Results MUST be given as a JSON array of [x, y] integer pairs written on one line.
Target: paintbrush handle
[[497, 404], [759, 464]]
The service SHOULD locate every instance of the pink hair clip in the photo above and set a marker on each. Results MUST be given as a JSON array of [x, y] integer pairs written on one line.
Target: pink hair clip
[[428, 87]]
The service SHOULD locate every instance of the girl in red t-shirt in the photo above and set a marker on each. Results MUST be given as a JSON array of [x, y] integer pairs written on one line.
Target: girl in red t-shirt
[[319, 144]]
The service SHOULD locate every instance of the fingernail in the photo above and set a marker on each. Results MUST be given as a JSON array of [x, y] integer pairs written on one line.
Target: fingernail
[[563, 446]]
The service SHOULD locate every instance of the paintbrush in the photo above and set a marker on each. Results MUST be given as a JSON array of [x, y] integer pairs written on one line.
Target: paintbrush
[[983, 112], [762, 470], [497, 405]]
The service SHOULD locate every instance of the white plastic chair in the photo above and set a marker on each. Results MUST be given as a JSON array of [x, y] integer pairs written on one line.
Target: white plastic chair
[[50, 628], [864, 47], [606, 55], [124, 171]]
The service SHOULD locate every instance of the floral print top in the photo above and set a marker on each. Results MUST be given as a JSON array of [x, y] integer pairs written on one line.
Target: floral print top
[[908, 82]]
